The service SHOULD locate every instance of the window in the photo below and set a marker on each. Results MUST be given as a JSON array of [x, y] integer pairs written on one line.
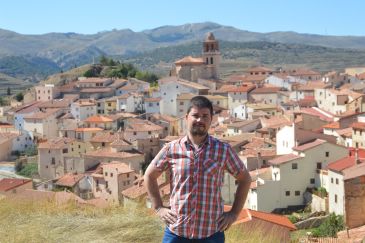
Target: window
[[181, 102], [134, 133], [312, 181], [297, 193], [294, 166], [106, 184], [149, 132], [53, 161], [128, 175], [102, 144], [336, 181], [111, 174], [335, 198], [319, 165], [332, 180], [65, 151], [287, 193], [327, 154], [150, 104], [106, 173]]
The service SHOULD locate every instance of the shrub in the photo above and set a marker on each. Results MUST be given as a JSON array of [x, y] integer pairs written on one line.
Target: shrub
[[330, 226]]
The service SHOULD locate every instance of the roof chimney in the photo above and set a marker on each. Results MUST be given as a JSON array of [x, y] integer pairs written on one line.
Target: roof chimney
[[357, 161]]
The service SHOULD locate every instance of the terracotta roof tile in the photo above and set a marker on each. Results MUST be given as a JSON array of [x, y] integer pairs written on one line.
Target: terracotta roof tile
[[356, 170], [69, 180], [42, 114], [273, 218], [284, 159], [142, 126], [120, 167], [7, 184], [56, 143], [98, 119], [236, 88], [309, 145], [189, 60], [358, 125], [88, 129], [266, 90], [333, 125]]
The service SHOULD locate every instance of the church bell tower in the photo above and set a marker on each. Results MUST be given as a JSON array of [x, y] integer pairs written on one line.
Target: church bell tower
[[211, 56]]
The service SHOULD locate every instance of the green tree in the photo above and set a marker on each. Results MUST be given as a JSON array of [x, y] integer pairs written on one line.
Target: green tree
[[19, 96], [104, 60], [2, 101], [330, 226], [8, 91]]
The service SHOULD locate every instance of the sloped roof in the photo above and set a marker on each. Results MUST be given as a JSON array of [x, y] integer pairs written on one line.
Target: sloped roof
[[284, 159], [7, 184], [310, 145], [189, 60], [69, 180], [98, 119], [56, 143]]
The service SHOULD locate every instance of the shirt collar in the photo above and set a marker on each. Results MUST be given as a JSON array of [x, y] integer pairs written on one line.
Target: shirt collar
[[185, 140]]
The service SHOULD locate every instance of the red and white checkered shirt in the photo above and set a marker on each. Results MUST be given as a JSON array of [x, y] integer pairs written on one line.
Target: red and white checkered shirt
[[196, 181]]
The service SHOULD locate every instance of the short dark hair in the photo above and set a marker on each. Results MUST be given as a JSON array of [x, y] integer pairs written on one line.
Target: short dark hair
[[200, 102]]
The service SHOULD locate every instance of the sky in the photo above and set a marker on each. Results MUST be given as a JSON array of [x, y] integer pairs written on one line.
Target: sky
[[323, 17]]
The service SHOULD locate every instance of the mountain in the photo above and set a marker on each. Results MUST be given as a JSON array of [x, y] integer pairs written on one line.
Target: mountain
[[40, 55]]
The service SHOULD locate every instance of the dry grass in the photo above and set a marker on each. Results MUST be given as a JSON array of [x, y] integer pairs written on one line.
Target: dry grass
[[254, 233], [49, 222]]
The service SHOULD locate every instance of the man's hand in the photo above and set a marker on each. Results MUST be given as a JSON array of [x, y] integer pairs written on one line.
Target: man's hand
[[166, 215], [226, 220]]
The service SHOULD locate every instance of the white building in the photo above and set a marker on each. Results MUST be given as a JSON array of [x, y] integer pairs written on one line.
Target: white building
[[83, 109], [292, 174]]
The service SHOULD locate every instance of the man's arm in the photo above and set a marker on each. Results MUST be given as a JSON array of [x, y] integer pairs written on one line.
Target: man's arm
[[150, 179], [228, 218]]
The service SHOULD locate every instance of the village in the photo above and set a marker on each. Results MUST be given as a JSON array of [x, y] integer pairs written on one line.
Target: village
[[300, 133]]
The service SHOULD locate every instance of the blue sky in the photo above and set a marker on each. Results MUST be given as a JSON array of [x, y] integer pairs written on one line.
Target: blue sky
[[325, 17]]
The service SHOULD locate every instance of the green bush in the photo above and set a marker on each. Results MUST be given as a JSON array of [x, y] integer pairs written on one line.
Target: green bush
[[28, 170], [330, 226]]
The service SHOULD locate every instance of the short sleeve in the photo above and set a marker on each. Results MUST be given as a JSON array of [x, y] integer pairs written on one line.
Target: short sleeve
[[161, 161], [233, 165]]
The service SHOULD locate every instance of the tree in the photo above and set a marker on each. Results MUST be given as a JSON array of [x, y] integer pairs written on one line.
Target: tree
[[19, 96], [8, 91], [2, 102], [103, 60]]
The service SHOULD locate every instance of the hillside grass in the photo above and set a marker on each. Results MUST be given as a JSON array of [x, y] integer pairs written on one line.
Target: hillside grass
[[25, 221]]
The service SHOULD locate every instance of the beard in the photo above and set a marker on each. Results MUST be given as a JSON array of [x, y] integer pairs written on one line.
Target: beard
[[198, 130]]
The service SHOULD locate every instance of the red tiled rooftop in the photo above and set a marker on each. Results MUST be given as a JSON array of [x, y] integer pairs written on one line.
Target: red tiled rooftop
[[189, 60], [7, 184], [358, 125], [248, 214], [98, 119], [273, 218], [333, 125], [266, 90], [283, 159], [314, 111], [69, 180], [310, 145], [354, 171], [120, 167]]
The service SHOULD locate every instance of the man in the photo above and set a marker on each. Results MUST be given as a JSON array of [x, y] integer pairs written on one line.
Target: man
[[196, 163]]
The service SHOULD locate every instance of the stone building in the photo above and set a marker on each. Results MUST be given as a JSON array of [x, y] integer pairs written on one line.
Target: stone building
[[204, 67]]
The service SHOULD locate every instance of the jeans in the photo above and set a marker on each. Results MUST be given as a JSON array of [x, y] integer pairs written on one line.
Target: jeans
[[170, 237]]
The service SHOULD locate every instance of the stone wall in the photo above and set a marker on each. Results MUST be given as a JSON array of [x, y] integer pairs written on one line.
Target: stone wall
[[355, 202]]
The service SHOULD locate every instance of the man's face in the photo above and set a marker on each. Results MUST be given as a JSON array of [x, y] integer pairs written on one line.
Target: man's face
[[198, 121]]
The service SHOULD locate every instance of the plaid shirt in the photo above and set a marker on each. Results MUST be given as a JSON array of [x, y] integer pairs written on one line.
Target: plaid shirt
[[196, 181]]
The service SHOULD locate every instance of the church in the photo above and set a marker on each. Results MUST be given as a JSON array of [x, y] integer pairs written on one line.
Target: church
[[205, 67]]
